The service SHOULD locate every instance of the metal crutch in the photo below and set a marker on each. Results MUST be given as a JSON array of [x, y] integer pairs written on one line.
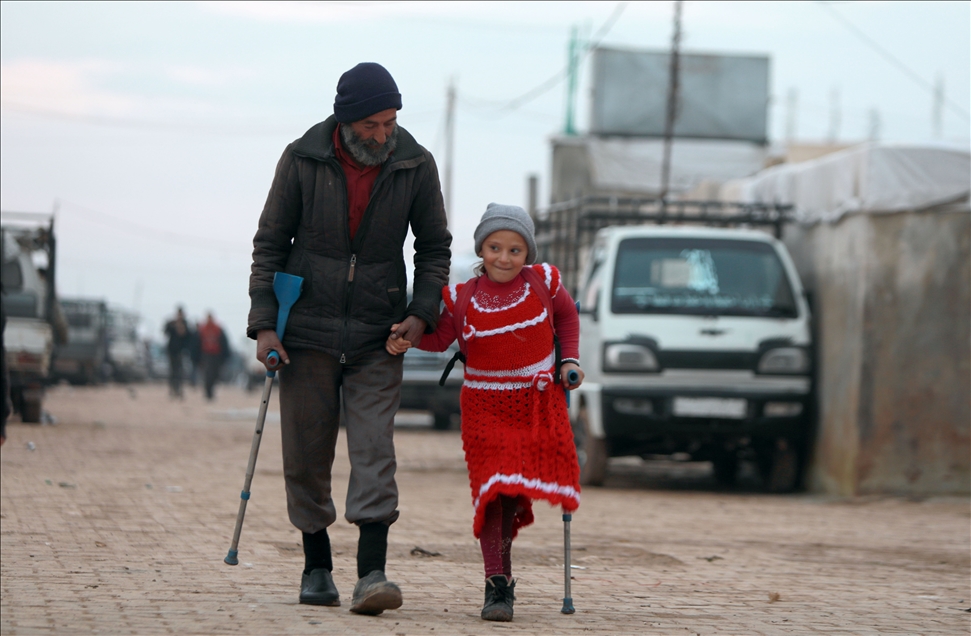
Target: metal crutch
[[567, 608], [286, 287]]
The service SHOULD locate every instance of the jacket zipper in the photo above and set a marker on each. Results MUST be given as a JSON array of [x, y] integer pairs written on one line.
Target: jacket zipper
[[350, 274]]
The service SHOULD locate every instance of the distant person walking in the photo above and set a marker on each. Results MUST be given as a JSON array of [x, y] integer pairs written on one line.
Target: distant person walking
[[213, 351], [338, 213], [513, 320], [180, 336], [4, 378]]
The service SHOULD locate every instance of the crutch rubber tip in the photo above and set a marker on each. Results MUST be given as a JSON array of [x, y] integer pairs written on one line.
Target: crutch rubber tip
[[231, 558], [567, 606]]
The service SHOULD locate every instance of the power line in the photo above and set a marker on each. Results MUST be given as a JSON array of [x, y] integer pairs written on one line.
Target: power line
[[153, 233], [929, 86], [141, 124], [549, 84]]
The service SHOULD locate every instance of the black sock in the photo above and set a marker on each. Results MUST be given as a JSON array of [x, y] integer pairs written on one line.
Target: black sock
[[372, 548], [316, 551]]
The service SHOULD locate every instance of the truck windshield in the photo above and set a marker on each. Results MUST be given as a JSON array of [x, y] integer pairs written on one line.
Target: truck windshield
[[700, 276]]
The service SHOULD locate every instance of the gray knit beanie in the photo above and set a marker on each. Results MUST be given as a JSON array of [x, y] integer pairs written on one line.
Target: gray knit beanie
[[507, 217]]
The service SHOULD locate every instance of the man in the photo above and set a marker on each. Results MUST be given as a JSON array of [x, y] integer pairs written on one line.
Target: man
[[338, 214], [179, 335], [213, 351]]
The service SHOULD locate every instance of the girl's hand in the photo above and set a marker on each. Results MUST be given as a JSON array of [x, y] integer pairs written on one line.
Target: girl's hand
[[565, 373], [395, 344]]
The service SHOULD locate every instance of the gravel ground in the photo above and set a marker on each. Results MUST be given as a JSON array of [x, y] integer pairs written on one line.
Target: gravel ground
[[116, 519]]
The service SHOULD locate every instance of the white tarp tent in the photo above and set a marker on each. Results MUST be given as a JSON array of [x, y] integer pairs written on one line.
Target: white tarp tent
[[870, 178], [633, 164]]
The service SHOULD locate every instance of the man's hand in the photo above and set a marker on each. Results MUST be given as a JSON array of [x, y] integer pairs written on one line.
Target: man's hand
[[266, 341], [396, 344], [565, 369], [412, 328]]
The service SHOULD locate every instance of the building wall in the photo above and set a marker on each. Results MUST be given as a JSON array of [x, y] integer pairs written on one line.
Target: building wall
[[892, 302]]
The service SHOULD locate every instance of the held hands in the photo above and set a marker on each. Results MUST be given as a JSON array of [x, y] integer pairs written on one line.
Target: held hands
[[405, 334], [266, 341], [565, 369]]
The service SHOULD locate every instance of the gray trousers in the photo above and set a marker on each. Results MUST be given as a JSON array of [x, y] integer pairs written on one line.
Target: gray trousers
[[311, 387]]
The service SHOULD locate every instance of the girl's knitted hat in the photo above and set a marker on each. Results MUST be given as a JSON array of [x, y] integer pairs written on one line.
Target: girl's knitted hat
[[507, 217]]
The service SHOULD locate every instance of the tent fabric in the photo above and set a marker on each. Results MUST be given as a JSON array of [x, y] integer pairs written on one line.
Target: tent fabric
[[869, 178], [634, 164]]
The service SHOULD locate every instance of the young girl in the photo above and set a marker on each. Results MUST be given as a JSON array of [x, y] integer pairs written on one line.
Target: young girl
[[515, 429]]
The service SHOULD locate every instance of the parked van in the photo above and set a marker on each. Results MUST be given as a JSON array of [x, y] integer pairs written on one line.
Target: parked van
[[82, 359], [696, 343], [35, 322]]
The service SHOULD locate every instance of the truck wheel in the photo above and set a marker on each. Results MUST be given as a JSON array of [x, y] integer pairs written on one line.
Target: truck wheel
[[592, 453], [779, 466], [30, 411], [726, 468], [442, 420]]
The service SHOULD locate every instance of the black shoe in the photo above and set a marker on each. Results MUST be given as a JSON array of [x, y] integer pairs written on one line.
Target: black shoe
[[317, 588], [374, 593], [498, 599]]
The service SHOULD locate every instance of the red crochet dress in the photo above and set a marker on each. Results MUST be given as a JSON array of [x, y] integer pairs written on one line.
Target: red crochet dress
[[515, 429]]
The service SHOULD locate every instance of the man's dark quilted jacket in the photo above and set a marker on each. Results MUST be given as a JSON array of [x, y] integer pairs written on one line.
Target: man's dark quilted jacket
[[353, 291]]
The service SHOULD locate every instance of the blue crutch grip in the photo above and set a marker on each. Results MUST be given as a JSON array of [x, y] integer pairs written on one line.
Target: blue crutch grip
[[571, 377]]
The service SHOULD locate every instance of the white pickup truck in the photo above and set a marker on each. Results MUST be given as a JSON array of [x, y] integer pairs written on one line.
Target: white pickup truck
[[695, 334], [695, 342], [34, 319]]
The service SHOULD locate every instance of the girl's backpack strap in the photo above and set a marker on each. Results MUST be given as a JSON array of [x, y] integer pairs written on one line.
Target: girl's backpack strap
[[536, 282], [463, 296], [545, 295]]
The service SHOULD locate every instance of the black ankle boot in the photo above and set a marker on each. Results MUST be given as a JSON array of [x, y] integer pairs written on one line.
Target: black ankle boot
[[317, 588], [498, 599]]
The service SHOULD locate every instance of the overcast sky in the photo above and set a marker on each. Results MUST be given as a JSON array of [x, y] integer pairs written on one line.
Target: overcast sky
[[157, 126]]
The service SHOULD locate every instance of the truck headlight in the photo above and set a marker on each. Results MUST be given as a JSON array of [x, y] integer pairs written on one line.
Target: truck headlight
[[784, 360], [624, 356]]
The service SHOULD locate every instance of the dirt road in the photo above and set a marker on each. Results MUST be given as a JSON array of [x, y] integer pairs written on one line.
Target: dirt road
[[116, 521]]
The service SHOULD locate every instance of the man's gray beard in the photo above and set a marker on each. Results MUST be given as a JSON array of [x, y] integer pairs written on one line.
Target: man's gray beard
[[363, 151]]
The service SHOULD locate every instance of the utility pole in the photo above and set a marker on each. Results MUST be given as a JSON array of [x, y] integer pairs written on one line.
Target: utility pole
[[533, 195], [672, 111], [571, 82], [874, 132], [938, 112], [449, 146], [834, 115], [792, 108]]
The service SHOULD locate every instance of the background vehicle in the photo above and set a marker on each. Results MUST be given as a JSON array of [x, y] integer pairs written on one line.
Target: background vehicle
[[34, 319], [695, 341], [82, 359], [127, 355], [420, 390]]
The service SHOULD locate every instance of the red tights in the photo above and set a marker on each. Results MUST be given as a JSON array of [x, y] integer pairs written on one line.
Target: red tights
[[496, 536]]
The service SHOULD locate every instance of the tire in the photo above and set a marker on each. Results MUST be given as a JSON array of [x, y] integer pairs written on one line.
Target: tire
[[442, 420], [779, 466], [726, 468], [30, 411], [591, 451]]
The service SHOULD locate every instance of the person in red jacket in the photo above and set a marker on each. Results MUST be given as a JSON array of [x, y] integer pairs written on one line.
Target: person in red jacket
[[515, 427], [213, 349]]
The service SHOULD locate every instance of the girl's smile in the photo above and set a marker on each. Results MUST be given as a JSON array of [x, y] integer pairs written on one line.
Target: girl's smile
[[504, 255]]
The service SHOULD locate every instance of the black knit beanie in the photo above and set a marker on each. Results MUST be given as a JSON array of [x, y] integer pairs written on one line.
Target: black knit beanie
[[366, 89]]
